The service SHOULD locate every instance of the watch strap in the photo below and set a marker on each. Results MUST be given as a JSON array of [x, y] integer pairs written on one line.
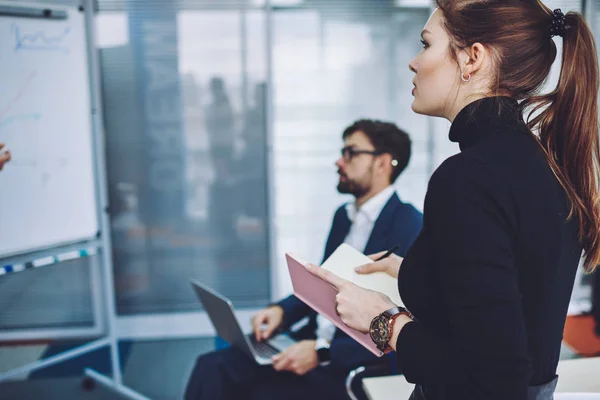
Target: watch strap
[[394, 312], [391, 316], [323, 352]]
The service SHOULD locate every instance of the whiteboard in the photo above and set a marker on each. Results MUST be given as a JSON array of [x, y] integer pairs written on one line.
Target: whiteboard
[[47, 191]]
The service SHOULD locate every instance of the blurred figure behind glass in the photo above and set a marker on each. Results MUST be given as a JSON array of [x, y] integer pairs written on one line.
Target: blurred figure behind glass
[[222, 207]]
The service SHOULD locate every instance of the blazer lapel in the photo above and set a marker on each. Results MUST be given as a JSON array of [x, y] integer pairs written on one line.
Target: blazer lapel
[[339, 231], [382, 226]]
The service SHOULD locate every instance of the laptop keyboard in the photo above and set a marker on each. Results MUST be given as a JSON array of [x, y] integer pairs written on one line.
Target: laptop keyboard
[[263, 349]]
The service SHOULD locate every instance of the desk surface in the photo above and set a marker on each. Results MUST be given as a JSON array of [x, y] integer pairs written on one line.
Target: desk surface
[[579, 375], [388, 387]]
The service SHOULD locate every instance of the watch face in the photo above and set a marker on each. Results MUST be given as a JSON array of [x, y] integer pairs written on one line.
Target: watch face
[[380, 330]]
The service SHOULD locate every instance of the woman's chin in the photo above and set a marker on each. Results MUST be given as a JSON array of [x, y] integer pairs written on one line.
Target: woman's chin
[[419, 108], [415, 107]]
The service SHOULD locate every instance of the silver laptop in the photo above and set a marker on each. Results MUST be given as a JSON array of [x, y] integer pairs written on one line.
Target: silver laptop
[[221, 313]]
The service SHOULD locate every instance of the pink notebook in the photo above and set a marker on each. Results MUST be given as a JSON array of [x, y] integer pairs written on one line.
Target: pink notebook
[[320, 296]]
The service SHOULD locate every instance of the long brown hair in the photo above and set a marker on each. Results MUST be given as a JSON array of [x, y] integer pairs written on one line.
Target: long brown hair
[[518, 34]]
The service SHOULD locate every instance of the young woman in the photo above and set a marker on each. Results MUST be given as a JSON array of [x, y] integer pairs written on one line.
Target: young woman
[[489, 279]]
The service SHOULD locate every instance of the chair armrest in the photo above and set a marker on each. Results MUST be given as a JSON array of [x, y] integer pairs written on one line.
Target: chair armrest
[[355, 377]]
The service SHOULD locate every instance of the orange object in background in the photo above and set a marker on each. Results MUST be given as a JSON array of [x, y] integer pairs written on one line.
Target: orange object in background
[[579, 335]]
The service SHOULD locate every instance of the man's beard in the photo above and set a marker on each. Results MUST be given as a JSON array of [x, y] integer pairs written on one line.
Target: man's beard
[[349, 186]]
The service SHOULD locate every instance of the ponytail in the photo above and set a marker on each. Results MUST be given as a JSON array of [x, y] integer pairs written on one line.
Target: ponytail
[[568, 132], [566, 119]]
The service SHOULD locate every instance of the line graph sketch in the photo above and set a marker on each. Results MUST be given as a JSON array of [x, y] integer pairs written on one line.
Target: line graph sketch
[[23, 89], [18, 128], [43, 169], [40, 40], [6, 118], [6, 122]]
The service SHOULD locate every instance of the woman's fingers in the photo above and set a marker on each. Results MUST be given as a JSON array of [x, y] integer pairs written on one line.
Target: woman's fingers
[[327, 276]]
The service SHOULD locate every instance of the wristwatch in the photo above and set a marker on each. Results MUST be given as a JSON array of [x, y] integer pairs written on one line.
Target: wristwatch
[[323, 354], [382, 327]]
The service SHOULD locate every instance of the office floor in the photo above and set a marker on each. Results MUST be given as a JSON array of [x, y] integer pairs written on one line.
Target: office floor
[[158, 370]]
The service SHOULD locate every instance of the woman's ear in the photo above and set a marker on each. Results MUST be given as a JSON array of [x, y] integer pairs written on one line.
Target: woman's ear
[[474, 58]]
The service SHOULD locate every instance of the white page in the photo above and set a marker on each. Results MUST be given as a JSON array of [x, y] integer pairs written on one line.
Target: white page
[[342, 263]]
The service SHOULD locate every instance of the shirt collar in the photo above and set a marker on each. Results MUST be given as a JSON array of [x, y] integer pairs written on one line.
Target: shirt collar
[[373, 207]]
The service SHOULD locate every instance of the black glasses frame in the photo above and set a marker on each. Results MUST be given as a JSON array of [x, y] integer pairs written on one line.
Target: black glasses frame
[[348, 153]]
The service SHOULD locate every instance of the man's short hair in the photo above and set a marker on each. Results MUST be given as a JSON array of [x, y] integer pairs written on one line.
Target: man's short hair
[[386, 137]]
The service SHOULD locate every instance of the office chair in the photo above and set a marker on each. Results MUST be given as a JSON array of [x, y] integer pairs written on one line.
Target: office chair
[[354, 378]]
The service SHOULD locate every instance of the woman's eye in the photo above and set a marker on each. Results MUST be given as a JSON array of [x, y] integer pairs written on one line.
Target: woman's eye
[[425, 44]]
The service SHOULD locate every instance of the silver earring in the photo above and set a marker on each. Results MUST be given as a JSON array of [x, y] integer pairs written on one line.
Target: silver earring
[[462, 77]]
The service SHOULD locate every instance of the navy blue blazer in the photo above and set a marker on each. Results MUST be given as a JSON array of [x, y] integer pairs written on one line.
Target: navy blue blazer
[[398, 223]]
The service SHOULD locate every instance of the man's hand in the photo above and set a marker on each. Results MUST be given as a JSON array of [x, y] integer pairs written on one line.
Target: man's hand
[[299, 358], [4, 156], [266, 321]]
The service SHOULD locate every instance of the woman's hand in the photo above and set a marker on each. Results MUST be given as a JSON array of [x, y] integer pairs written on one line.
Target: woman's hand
[[4, 156], [356, 306], [390, 265]]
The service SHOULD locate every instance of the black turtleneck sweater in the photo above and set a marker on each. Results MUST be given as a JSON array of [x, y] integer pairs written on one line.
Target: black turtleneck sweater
[[490, 277]]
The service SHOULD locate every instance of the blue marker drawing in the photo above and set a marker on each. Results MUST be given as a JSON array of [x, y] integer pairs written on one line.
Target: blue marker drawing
[[18, 118], [40, 40]]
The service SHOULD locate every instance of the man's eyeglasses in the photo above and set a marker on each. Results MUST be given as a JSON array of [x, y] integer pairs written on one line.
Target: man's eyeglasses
[[348, 153]]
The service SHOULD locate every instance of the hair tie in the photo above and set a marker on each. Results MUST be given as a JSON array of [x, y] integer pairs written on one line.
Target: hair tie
[[558, 26]]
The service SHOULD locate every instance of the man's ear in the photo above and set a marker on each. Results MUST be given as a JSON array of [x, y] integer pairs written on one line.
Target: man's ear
[[386, 163]]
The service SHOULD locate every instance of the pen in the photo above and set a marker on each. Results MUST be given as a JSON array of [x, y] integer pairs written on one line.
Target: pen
[[388, 253]]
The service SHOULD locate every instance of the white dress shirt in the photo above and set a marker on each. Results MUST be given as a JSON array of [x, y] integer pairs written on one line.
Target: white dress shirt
[[363, 221]]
